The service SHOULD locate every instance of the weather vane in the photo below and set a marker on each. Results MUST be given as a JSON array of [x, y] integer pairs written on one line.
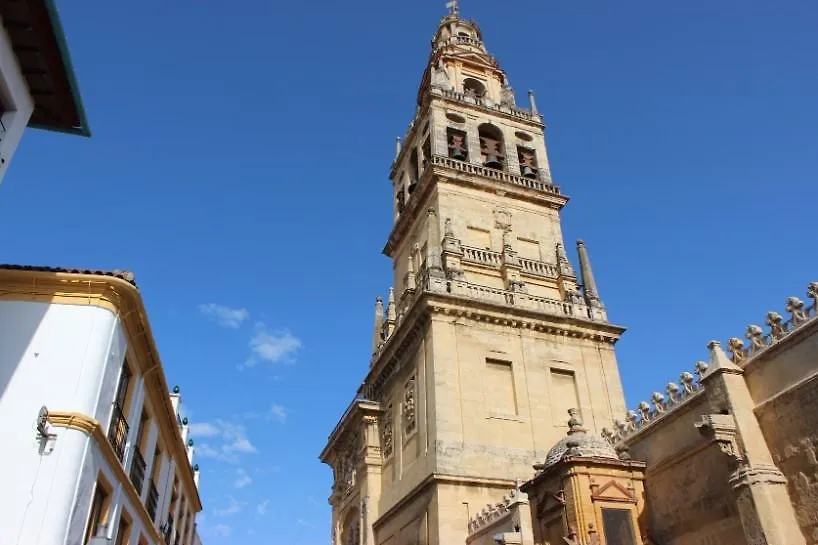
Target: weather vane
[[453, 7]]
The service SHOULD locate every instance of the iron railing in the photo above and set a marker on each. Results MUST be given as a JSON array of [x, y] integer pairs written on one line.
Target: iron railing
[[152, 500], [118, 432], [138, 470]]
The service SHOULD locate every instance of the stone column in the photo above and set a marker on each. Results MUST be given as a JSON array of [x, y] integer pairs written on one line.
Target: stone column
[[760, 488]]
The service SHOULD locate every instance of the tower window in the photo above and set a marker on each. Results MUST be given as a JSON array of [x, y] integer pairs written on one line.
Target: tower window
[[400, 200], [457, 144], [528, 162], [414, 172], [473, 88], [427, 152], [491, 146]]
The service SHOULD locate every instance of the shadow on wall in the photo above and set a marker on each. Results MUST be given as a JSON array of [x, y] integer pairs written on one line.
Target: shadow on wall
[[19, 322]]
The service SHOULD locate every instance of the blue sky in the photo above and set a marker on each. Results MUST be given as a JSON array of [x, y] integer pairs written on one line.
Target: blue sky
[[239, 166]]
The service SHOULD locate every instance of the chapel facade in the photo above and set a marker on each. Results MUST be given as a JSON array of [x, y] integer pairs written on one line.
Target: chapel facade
[[491, 409]]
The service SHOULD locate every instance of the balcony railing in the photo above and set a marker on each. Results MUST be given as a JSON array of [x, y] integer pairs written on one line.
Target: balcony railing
[[138, 470], [152, 500], [499, 175], [118, 432], [514, 111]]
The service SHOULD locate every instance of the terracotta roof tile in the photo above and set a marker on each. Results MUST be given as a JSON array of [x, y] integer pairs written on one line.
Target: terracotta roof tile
[[127, 276]]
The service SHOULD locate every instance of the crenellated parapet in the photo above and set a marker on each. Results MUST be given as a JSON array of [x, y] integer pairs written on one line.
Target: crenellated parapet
[[494, 513], [779, 327], [675, 395]]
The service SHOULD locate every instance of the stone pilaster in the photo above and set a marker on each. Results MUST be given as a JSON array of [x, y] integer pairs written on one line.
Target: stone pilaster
[[761, 496], [510, 264]]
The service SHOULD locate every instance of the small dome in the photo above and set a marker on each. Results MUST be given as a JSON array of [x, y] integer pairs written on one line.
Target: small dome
[[579, 443]]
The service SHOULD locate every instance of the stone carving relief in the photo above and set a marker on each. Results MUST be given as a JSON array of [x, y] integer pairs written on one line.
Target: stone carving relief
[[440, 78], [409, 416], [347, 465], [387, 433]]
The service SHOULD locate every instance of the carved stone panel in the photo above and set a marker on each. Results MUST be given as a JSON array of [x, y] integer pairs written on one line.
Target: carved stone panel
[[387, 433], [409, 413]]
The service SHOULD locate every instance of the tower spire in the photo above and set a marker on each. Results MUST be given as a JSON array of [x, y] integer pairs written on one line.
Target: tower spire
[[588, 282], [377, 336]]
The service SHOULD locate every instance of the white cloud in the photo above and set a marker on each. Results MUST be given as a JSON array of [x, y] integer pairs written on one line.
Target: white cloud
[[222, 530], [234, 506], [242, 478], [261, 508], [231, 441], [272, 346], [204, 429], [277, 412], [231, 318]]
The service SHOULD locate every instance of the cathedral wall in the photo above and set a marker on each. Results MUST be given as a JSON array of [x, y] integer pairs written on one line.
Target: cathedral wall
[[689, 500], [788, 379], [406, 400], [502, 395]]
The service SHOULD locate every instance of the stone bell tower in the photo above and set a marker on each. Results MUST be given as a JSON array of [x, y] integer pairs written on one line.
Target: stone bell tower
[[487, 337]]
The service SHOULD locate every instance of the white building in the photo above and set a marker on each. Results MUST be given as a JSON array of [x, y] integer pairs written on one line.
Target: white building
[[37, 84], [93, 449]]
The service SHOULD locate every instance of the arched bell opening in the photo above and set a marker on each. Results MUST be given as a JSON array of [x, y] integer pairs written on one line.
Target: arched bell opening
[[492, 148], [414, 171], [458, 149], [528, 162], [474, 88]]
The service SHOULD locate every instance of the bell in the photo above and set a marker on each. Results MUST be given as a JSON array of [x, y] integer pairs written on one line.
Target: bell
[[493, 162], [458, 153], [529, 172]]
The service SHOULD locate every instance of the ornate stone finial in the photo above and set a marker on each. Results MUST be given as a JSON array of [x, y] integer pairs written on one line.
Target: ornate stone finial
[[574, 422], [448, 231], [658, 403], [434, 264], [812, 293], [398, 147], [377, 337], [532, 103], [563, 263], [701, 368], [673, 393], [795, 307], [686, 378], [391, 311], [756, 337], [453, 6], [644, 412], [410, 273], [736, 348], [778, 328]]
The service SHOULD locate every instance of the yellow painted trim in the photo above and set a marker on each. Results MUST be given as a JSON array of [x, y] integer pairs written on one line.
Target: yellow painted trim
[[123, 299], [92, 427]]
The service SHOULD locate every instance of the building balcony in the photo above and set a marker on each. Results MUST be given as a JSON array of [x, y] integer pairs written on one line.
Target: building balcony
[[152, 500], [137, 472], [118, 432]]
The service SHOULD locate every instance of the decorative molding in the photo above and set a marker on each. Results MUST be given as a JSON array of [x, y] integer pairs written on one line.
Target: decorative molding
[[91, 427]]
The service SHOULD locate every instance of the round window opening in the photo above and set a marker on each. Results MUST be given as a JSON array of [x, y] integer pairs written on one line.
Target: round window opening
[[454, 118]]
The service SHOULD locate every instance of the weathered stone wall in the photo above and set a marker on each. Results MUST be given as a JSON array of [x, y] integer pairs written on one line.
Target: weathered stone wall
[[689, 500], [789, 420]]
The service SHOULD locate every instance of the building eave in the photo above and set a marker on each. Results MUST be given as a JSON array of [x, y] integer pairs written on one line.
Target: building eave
[[39, 43]]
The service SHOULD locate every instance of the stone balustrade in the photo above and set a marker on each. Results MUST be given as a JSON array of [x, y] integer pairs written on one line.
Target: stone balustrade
[[539, 268], [483, 257], [488, 105], [494, 174], [646, 413]]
